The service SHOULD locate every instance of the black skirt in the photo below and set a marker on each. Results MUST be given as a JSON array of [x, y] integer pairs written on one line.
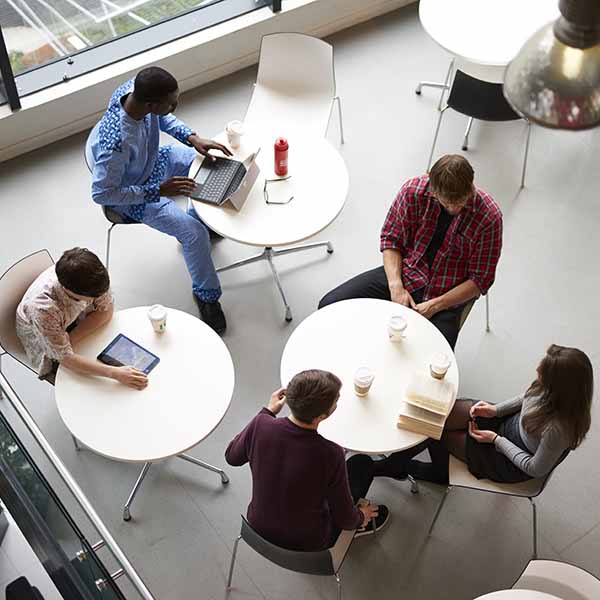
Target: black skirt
[[485, 462]]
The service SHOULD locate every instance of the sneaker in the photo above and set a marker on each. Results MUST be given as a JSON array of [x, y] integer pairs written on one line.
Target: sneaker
[[380, 520], [212, 314], [213, 235]]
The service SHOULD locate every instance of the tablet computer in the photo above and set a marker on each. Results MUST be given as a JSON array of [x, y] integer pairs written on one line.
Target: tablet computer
[[123, 352]]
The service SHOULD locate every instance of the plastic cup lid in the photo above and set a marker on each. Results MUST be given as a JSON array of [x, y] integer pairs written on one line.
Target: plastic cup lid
[[157, 311], [398, 323]]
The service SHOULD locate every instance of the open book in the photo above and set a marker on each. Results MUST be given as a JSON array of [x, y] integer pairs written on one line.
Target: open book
[[426, 406]]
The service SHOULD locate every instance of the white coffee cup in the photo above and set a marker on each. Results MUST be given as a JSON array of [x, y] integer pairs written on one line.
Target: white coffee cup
[[396, 328], [363, 379], [234, 130], [439, 365], [158, 317]]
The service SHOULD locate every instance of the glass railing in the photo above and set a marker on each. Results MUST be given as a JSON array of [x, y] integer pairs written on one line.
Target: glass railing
[[81, 567]]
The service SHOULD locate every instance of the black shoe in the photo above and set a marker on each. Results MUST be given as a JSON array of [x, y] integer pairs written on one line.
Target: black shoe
[[212, 314], [213, 235], [380, 520]]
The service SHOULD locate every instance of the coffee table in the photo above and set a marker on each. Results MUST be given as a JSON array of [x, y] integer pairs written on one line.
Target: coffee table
[[319, 186], [187, 396], [518, 595], [346, 335]]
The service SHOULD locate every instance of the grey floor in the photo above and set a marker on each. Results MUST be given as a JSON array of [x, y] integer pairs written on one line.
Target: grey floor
[[185, 522]]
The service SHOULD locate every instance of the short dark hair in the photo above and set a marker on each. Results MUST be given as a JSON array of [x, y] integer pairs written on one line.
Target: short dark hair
[[153, 84], [312, 393], [452, 177], [81, 272]]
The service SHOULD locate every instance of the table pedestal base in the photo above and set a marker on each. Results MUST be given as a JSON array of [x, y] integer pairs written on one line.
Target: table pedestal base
[[267, 254], [146, 468]]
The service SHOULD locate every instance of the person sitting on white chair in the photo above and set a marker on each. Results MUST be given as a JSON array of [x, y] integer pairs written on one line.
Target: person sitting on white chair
[[67, 302], [136, 177], [516, 440], [302, 493]]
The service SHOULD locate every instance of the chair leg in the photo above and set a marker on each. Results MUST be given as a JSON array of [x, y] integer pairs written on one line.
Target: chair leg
[[1, 392], [439, 510], [534, 510], [526, 155], [339, 105], [487, 312], [446, 84], [235, 547], [76, 443], [339, 586], [108, 234], [414, 486], [435, 137], [465, 145]]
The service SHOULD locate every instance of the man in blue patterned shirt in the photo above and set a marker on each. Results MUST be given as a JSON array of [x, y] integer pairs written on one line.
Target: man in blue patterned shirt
[[136, 177]]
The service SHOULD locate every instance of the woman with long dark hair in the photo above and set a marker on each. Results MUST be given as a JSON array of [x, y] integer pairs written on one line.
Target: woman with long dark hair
[[518, 439]]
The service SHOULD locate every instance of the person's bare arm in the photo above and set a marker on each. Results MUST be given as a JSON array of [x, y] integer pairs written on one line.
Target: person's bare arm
[[125, 375], [93, 321], [463, 292], [392, 263]]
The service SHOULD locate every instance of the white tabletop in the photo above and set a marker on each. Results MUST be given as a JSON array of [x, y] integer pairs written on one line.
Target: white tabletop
[[319, 184], [518, 595], [489, 32], [188, 392], [346, 335]]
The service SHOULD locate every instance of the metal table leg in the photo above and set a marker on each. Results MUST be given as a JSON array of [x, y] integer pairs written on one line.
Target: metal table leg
[[200, 463], [136, 487]]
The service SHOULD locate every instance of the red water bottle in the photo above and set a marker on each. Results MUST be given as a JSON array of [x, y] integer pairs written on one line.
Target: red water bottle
[[281, 157]]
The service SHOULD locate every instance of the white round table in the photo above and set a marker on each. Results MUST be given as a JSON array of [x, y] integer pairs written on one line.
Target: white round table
[[319, 186], [487, 32], [188, 393], [518, 595], [346, 335]]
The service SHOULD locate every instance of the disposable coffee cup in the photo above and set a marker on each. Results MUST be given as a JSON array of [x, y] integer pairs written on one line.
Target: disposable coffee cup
[[439, 365], [234, 130], [158, 317], [363, 379], [397, 328]]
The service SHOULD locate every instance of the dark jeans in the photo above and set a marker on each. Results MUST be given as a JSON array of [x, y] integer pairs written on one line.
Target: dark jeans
[[374, 284], [360, 475]]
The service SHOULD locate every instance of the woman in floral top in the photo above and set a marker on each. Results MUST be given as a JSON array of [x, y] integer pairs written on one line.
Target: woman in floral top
[[67, 302]]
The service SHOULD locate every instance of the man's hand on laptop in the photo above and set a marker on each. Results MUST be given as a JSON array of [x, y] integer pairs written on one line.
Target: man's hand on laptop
[[277, 401], [177, 186], [369, 511], [203, 146]]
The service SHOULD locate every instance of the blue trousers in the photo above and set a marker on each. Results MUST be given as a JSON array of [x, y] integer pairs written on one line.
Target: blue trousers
[[165, 216]]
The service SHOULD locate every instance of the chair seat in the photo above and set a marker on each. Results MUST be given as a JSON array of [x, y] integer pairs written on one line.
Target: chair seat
[[479, 99], [117, 218], [460, 476]]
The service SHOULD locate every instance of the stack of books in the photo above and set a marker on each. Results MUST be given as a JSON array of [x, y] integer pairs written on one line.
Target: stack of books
[[426, 406]]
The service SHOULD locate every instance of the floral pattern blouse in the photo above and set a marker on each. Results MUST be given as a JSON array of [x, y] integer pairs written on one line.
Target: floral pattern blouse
[[43, 316]]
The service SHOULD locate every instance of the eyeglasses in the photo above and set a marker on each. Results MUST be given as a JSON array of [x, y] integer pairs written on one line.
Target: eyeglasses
[[266, 193]]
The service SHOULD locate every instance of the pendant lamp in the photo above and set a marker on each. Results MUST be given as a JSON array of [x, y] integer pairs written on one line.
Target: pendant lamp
[[554, 80]]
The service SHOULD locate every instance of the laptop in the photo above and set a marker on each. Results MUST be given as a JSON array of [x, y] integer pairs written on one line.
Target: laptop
[[225, 180]]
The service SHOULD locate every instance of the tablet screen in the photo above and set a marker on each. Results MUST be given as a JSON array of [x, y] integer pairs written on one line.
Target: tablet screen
[[124, 352]]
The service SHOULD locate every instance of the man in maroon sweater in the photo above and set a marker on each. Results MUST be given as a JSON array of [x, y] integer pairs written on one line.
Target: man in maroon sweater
[[301, 493]]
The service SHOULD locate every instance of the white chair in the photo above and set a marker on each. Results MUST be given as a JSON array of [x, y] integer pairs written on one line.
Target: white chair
[[13, 284], [460, 476], [559, 579], [295, 86]]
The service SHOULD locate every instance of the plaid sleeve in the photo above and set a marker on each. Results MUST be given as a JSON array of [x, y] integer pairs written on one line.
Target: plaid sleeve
[[398, 228], [484, 259]]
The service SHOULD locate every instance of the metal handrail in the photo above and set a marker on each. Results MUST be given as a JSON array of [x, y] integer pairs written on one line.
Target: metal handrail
[[83, 502]]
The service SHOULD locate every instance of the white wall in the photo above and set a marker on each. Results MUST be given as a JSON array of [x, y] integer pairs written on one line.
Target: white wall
[[74, 106]]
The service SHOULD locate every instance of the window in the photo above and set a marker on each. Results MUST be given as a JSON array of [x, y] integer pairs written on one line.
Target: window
[[49, 41]]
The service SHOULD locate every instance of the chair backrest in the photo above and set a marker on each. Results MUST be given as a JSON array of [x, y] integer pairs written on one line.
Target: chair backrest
[[479, 99], [13, 285], [559, 579], [465, 313], [286, 100], [312, 563], [296, 63], [87, 149]]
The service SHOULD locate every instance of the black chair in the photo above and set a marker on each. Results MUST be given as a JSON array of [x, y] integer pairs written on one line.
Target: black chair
[[323, 562], [480, 100], [20, 589], [112, 216]]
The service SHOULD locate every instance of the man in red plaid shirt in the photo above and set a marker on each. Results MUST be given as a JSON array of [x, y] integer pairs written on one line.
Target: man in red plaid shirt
[[441, 243]]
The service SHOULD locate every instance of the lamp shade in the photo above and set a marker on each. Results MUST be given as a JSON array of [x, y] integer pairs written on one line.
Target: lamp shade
[[555, 84]]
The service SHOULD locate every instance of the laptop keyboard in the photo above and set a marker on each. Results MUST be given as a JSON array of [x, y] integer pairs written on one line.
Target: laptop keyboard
[[225, 175]]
